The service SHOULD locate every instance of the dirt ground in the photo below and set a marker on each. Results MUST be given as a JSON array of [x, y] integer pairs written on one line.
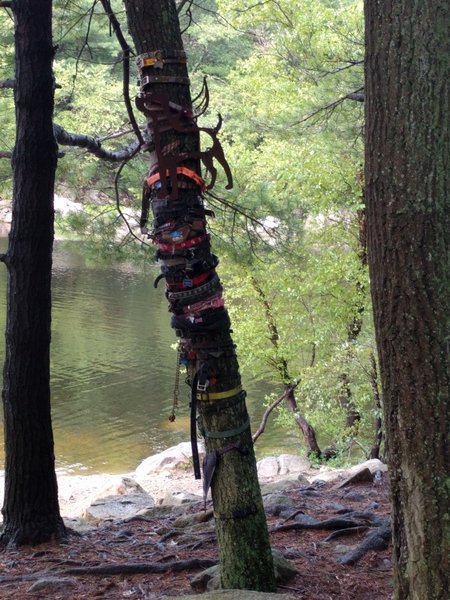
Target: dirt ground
[[100, 564]]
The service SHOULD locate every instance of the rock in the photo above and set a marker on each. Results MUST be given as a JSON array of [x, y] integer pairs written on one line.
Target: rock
[[341, 550], [284, 464], [209, 580], [354, 496], [179, 498], [77, 524], [363, 475], [306, 519], [274, 504], [52, 584], [284, 484], [233, 595], [176, 457], [284, 570], [194, 519], [120, 486], [117, 508], [156, 512]]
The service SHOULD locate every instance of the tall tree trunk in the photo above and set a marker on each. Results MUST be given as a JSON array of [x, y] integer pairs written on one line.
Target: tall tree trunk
[[281, 365], [194, 293], [408, 215], [30, 509]]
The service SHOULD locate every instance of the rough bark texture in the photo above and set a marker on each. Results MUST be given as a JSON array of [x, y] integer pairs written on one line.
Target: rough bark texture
[[30, 510], [408, 208], [208, 351]]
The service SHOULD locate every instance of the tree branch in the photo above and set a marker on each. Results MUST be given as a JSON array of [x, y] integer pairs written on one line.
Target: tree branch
[[6, 4], [126, 67], [272, 407], [66, 138], [358, 96], [7, 83]]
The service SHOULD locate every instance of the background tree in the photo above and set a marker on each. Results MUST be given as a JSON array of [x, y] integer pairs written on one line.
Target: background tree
[[30, 510], [408, 214]]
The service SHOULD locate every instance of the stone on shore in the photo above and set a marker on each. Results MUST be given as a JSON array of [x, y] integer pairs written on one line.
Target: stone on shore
[[176, 457]]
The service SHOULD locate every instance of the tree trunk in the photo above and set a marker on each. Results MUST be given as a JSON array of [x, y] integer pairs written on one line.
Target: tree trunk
[[408, 215], [30, 509], [195, 299], [282, 367]]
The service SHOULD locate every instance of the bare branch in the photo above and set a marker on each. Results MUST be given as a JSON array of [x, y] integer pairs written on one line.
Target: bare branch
[[358, 96], [183, 4], [331, 106], [7, 4], [5, 154], [126, 67], [272, 407], [66, 138], [7, 84], [116, 191]]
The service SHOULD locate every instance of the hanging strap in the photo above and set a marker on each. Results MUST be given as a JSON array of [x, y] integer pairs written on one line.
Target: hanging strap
[[194, 444]]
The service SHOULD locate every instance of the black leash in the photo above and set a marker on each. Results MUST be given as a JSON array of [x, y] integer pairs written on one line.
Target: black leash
[[194, 444]]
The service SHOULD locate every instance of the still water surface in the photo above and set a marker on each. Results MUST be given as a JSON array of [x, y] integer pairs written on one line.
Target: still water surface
[[113, 367]]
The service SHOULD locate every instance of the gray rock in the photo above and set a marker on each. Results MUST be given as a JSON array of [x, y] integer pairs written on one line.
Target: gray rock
[[209, 580], [306, 519], [284, 464], [193, 519], [156, 512], [274, 504], [120, 486], [284, 570], [176, 457], [363, 475], [179, 498], [116, 508], [51, 584], [283, 485], [233, 595]]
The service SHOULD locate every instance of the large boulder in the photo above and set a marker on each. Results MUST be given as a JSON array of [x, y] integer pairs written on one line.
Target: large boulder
[[176, 457], [285, 464], [123, 499]]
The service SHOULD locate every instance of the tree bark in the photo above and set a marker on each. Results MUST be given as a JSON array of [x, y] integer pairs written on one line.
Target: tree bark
[[206, 346], [30, 509], [408, 214]]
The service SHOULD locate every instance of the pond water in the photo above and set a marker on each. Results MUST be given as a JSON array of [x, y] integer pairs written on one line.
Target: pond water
[[113, 367]]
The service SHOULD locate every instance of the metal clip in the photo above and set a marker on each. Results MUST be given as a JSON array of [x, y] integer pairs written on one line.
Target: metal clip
[[202, 387]]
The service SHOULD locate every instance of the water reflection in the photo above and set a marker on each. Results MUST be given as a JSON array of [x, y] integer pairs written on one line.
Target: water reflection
[[112, 366]]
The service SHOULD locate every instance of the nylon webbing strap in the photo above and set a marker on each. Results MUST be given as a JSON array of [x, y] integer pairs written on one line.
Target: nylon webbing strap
[[217, 435], [219, 395], [194, 445]]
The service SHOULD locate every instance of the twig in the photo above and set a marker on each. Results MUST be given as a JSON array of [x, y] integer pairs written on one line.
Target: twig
[[126, 67], [272, 407], [94, 146], [116, 190], [7, 83]]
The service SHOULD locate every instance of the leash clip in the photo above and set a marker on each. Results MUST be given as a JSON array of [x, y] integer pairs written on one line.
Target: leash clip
[[202, 387]]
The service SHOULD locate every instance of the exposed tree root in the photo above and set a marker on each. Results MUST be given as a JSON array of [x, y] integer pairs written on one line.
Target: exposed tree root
[[117, 569], [375, 540]]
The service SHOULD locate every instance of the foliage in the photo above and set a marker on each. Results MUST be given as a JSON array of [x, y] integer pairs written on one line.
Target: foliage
[[272, 67]]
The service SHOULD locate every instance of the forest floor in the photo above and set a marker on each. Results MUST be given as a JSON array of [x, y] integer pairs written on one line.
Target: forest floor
[[147, 558]]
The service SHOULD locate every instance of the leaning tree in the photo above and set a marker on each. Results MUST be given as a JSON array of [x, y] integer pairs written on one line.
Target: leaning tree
[[408, 215], [174, 191]]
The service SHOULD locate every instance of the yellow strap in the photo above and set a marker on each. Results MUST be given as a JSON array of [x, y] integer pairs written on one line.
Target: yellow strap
[[219, 395]]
